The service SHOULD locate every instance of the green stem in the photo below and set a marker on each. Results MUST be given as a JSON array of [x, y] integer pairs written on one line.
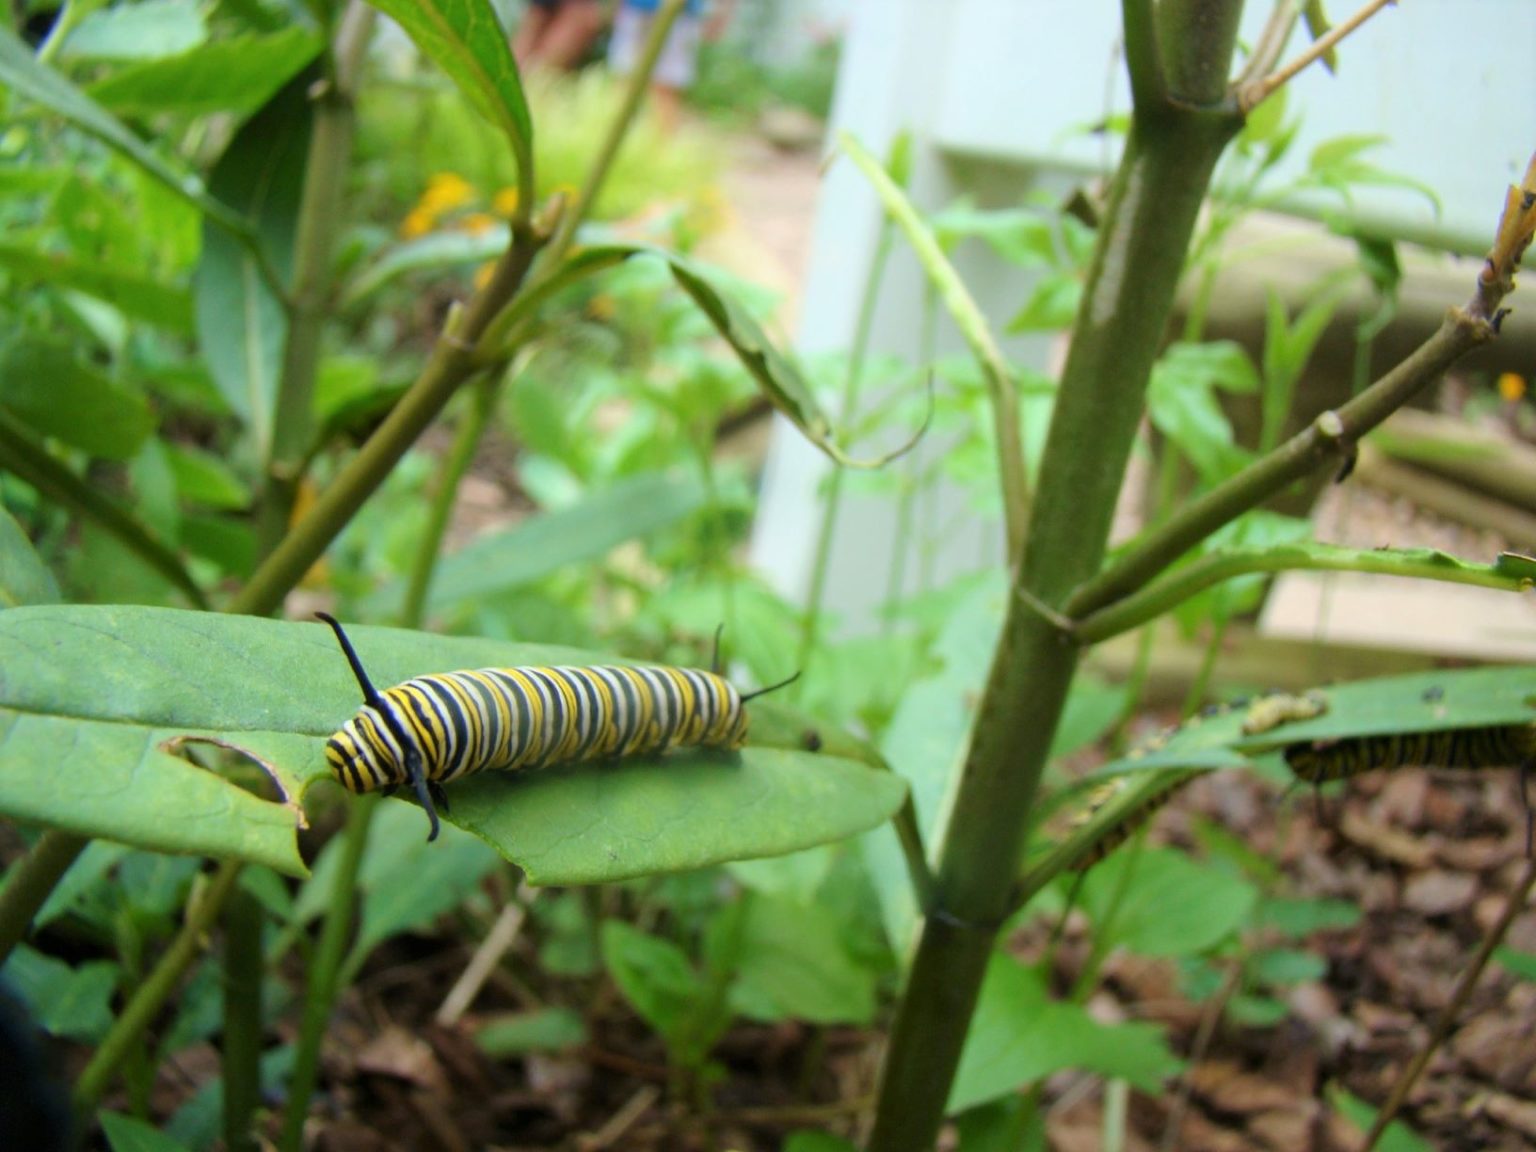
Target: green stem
[[29, 882], [151, 994], [453, 360], [1152, 601], [857, 354], [1169, 155], [318, 228], [243, 964], [1329, 438], [23, 455], [323, 972], [465, 444], [634, 92]]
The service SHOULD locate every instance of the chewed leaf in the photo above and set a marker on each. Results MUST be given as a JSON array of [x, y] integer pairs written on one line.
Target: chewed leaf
[[94, 699]]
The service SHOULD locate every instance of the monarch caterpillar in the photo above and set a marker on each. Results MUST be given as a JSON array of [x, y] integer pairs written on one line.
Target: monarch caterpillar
[[433, 729], [1490, 746], [1153, 795], [1494, 746]]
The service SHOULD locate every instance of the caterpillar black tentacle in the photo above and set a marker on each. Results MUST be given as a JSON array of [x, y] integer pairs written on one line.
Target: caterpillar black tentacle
[[433, 729]]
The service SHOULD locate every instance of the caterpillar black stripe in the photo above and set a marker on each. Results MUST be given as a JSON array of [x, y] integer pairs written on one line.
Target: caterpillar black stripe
[[433, 729]]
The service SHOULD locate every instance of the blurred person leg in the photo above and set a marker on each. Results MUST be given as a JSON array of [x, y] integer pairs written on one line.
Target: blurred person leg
[[557, 33]]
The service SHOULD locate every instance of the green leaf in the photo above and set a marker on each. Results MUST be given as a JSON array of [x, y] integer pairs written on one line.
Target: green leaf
[[101, 690], [26, 76], [541, 1030], [131, 294], [1397, 1138], [241, 325], [662, 985], [431, 253], [57, 394], [1295, 918], [1018, 1036], [631, 509], [1521, 964], [1280, 966], [125, 1134], [465, 39], [1417, 702], [203, 478], [1168, 905], [24, 578], [407, 882], [142, 31], [795, 964], [1051, 306], [237, 75], [75, 1003], [1020, 236]]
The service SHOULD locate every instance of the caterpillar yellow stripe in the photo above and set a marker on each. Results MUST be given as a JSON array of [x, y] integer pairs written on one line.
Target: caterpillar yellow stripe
[[434, 729]]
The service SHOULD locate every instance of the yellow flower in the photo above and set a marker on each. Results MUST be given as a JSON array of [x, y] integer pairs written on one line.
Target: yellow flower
[[1511, 386], [504, 203], [445, 192], [418, 222], [478, 223]]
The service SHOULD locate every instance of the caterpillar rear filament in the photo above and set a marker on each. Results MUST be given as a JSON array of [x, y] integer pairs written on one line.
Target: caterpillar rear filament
[[433, 729]]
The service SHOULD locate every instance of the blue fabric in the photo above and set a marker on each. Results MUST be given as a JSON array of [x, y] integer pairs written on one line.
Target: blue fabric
[[695, 7]]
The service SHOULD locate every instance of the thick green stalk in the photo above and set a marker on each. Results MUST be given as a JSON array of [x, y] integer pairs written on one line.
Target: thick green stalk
[[465, 444], [323, 971], [1172, 148], [30, 881], [243, 970], [453, 361], [320, 213], [128, 1029]]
